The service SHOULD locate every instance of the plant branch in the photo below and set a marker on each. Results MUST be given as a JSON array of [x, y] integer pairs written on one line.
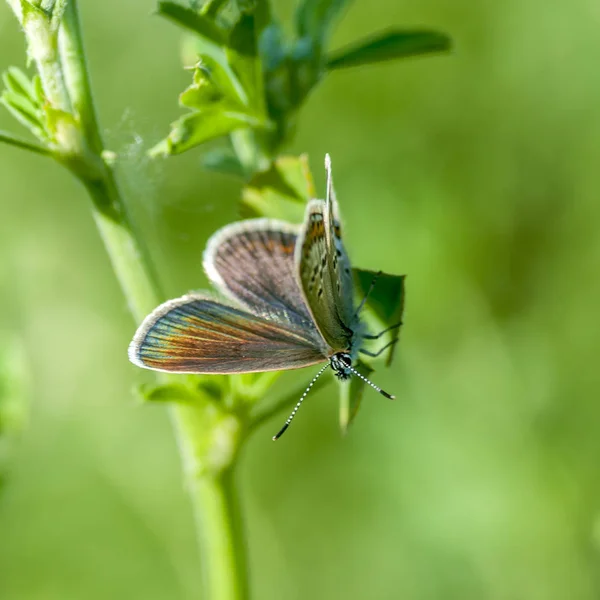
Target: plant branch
[[76, 75], [209, 437], [14, 140]]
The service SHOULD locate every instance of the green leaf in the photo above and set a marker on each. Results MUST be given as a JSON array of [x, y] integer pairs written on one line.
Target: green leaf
[[243, 57], [24, 112], [16, 81], [389, 45], [211, 83], [199, 127], [351, 393], [385, 300], [223, 160], [192, 21], [172, 392], [39, 95], [281, 192], [314, 18], [23, 105], [20, 97]]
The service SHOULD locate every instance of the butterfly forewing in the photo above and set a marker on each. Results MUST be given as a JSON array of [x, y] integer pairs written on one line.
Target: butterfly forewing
[[315, 268], [196, 334]]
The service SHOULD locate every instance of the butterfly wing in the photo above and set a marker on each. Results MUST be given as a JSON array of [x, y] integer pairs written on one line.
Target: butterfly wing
[[314, 260], [197, 334], [252, 262], [341, 270]]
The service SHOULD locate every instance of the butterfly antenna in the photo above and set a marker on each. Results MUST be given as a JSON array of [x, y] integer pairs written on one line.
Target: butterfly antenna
[[368, 293], [293, 413], [376, 388]]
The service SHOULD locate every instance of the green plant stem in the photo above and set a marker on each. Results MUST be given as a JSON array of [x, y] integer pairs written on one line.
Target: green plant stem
[[76, 75], [14, 140], [220, 529], [66, 84]]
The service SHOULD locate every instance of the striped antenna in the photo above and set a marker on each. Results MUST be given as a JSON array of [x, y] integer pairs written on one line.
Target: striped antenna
[[376, 388], [293, 414]]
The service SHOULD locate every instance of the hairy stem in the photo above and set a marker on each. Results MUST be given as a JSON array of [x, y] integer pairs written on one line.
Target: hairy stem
[[209, 439]]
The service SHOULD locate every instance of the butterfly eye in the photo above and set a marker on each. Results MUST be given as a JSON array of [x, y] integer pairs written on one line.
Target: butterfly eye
[[345, 360]]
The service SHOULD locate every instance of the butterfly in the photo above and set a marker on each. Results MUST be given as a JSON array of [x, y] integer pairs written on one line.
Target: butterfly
[[291, 305]]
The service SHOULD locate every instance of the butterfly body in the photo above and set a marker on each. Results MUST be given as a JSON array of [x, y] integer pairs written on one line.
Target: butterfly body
[[289, 303]]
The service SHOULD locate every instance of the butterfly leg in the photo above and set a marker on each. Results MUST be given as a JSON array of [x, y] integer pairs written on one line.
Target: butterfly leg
[[375, 354], [378, 335], [373, 282]]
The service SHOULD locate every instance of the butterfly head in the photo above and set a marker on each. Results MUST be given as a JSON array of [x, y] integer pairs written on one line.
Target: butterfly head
[[341, 363]]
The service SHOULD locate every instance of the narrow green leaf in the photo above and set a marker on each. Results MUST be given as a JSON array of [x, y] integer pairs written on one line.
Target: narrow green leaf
[[18, 107], [351, 394], [39, 96], [16, 81], [389, 45], [13, 140], [281, 192], [199, 127], [192, 21], [23, 104], [385, 300]]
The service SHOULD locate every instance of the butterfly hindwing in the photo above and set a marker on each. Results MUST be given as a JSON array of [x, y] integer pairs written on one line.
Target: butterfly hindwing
[[197, 334], [252, 262]]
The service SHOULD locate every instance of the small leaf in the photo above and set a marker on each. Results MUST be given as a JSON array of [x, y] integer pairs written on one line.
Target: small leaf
[[22, 104], [16, 81], [199, 127], [39, 95], [24, 112], [192, 21], [223, 160], [281, 192], [386, 300], [171, 392], [351, 393], [211, 83], [389, 45]]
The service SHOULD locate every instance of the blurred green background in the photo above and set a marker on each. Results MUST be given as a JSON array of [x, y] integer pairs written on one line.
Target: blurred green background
[[477, 174]]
